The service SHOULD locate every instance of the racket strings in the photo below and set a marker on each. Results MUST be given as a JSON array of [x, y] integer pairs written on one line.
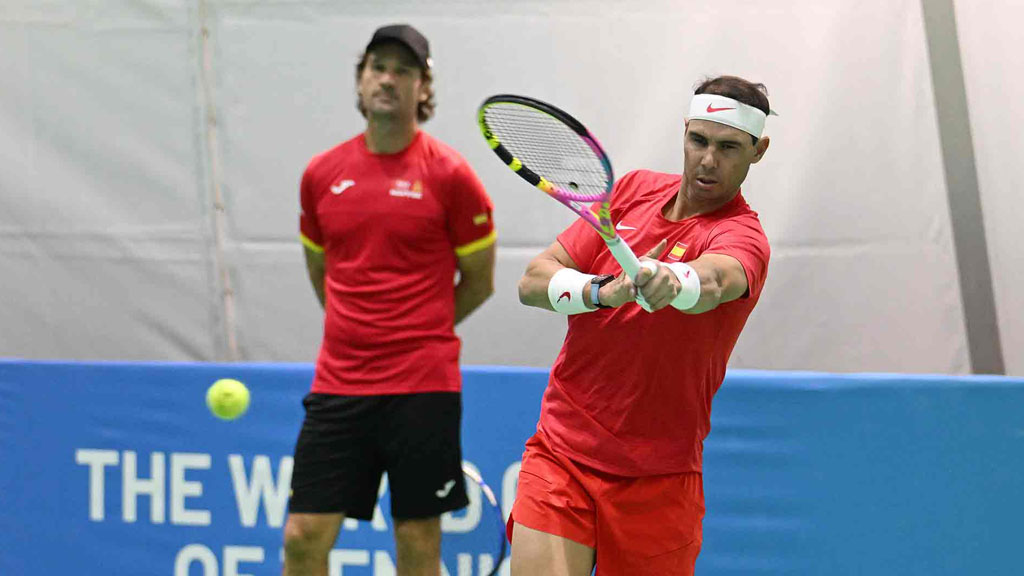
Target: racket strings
[[550, 149]]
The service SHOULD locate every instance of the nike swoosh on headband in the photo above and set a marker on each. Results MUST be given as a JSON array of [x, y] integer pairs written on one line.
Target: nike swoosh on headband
[[712, 110]]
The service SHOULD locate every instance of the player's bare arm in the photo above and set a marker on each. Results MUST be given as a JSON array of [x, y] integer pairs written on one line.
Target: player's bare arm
[[722, 279], [315, 266], [476, 281], [533, 286]]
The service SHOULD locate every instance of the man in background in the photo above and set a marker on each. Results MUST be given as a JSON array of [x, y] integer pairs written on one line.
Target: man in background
[[389, 218]]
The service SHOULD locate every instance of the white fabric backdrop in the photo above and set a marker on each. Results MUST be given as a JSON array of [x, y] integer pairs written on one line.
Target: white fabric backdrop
[[106, 208]]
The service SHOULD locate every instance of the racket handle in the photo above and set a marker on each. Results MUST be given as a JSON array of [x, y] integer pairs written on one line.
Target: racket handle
[[624, 256], [630, 264]]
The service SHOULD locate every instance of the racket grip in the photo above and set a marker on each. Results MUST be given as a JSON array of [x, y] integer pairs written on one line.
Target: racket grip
[[624, 256], [630, 264]]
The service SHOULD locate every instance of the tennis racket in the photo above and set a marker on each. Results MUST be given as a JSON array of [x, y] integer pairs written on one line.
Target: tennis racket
[[492, 503], [555, 152]]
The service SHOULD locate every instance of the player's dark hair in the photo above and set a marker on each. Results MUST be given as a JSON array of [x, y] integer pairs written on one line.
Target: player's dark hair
[[424, 110], [750, 93]]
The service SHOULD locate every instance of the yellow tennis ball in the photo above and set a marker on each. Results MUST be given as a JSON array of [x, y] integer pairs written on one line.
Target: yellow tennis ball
[[227, 398]]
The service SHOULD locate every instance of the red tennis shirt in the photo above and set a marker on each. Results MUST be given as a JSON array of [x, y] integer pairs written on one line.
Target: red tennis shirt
[[630, 393], [390, 227]]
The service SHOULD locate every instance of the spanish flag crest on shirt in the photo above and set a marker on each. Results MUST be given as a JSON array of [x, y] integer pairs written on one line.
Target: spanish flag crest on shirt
[[677, 251]]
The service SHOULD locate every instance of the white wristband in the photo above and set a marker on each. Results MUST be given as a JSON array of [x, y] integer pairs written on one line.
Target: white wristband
[[565, 291], [690, 291]]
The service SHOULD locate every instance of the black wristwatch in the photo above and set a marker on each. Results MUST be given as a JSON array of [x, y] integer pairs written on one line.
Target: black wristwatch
[[595, 285]]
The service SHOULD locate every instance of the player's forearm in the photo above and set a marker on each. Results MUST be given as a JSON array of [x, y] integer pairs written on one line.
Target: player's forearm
[[722, 280], [533, 286], [469, 295], [710, 293]]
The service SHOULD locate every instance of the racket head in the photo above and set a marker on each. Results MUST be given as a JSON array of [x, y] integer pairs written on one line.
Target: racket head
[[553, 151]]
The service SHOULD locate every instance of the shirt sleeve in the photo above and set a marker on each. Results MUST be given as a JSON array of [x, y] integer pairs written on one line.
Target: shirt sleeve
[[470, 216], [582, 242], [309, 227], [744, 240]]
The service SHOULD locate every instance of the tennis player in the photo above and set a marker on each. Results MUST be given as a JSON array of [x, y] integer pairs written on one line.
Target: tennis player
[[388, 219], [613, 474]]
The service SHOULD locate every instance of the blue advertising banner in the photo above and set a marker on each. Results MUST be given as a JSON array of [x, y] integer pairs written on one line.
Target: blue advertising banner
[[120, 469]]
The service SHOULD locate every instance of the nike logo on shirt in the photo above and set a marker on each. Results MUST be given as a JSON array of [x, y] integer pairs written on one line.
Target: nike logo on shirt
[[621, 226]]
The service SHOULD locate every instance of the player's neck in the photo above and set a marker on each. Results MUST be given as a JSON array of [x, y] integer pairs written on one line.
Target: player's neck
[[388, 136], [685, 204]]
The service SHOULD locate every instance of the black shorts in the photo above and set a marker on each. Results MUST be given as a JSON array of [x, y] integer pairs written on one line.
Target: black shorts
[[347, 442]]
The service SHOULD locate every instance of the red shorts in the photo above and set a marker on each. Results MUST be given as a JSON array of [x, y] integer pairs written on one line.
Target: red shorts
[[646, 525]]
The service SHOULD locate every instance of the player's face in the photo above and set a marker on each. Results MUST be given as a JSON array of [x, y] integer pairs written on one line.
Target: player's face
[[717, 158], [391, 84]]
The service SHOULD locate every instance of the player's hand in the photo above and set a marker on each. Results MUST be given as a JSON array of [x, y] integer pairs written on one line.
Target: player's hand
[[622, 290], [618, 291], [656, 283]]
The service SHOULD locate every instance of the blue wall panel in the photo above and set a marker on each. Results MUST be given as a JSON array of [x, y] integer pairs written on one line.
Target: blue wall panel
[[804, 473]]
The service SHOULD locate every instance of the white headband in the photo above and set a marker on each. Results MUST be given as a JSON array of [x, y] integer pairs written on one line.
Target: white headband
[[724, 110]]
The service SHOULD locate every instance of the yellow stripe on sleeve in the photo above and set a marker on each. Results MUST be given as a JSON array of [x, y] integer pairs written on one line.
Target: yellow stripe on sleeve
[[477, 245], [313, 246]]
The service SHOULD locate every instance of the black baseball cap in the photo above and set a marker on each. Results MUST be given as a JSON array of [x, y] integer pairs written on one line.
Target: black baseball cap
[[407, 36]]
